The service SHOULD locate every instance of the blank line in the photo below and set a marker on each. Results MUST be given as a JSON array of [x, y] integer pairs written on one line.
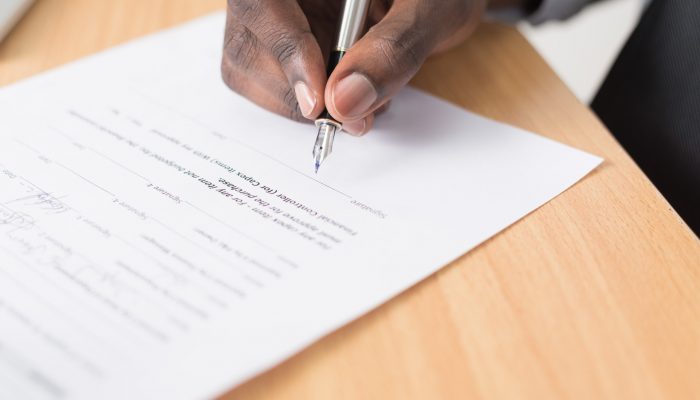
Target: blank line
[[66, 168], [29, 147], [67, 137], [84, 178], [117, 163]]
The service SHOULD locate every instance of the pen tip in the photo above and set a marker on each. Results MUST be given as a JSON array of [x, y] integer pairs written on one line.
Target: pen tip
[[318, 165]]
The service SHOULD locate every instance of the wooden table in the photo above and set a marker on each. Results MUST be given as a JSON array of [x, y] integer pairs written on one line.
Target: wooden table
[[595, 295]]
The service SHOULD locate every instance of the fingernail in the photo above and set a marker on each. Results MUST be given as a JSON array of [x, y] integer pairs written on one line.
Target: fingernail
[[354, 95], [356, 128], [305, 98]]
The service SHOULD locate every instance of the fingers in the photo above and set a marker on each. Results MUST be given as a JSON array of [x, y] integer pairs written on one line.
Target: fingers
[[272, 57], [390, 54]]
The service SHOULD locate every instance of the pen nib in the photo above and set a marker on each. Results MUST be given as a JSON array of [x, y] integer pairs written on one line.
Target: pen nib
[[324, 142]]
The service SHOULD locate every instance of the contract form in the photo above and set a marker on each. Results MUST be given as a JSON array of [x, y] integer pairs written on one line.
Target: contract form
[[150, 248]]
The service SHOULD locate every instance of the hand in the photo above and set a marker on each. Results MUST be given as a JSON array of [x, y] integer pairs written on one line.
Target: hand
[[275, 52]]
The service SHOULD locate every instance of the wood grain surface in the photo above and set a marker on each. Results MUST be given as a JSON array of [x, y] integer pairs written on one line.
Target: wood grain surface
[[595, 295]]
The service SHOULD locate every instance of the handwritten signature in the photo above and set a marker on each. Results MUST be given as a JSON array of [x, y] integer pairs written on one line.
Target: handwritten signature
[[44, 201], [15, 219]]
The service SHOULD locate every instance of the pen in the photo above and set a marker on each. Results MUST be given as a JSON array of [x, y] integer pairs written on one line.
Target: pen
[[352, 23]]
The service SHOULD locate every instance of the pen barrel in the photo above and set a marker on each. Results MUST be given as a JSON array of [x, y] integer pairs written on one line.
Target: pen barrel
[[333, 61], [352, 23]]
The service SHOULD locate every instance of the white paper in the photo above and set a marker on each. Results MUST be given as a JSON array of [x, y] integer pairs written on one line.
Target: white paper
[[160, 237]]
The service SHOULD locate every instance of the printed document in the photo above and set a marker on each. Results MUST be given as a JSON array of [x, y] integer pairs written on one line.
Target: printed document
[[163, 238]]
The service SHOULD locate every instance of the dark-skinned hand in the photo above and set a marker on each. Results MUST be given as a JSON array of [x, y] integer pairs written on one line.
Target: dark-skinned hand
[[275, 52]]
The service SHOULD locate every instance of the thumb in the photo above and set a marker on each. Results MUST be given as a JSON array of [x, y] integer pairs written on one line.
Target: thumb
[[383, 61]]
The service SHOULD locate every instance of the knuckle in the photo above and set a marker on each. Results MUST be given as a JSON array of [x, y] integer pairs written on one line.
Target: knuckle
[[240, 48], [284, 46], [398, 53]]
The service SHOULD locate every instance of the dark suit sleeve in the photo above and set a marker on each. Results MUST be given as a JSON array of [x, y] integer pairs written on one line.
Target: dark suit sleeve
[[557, 10]]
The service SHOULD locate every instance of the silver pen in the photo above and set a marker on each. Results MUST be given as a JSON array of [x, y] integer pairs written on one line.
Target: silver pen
[[352, 24]]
